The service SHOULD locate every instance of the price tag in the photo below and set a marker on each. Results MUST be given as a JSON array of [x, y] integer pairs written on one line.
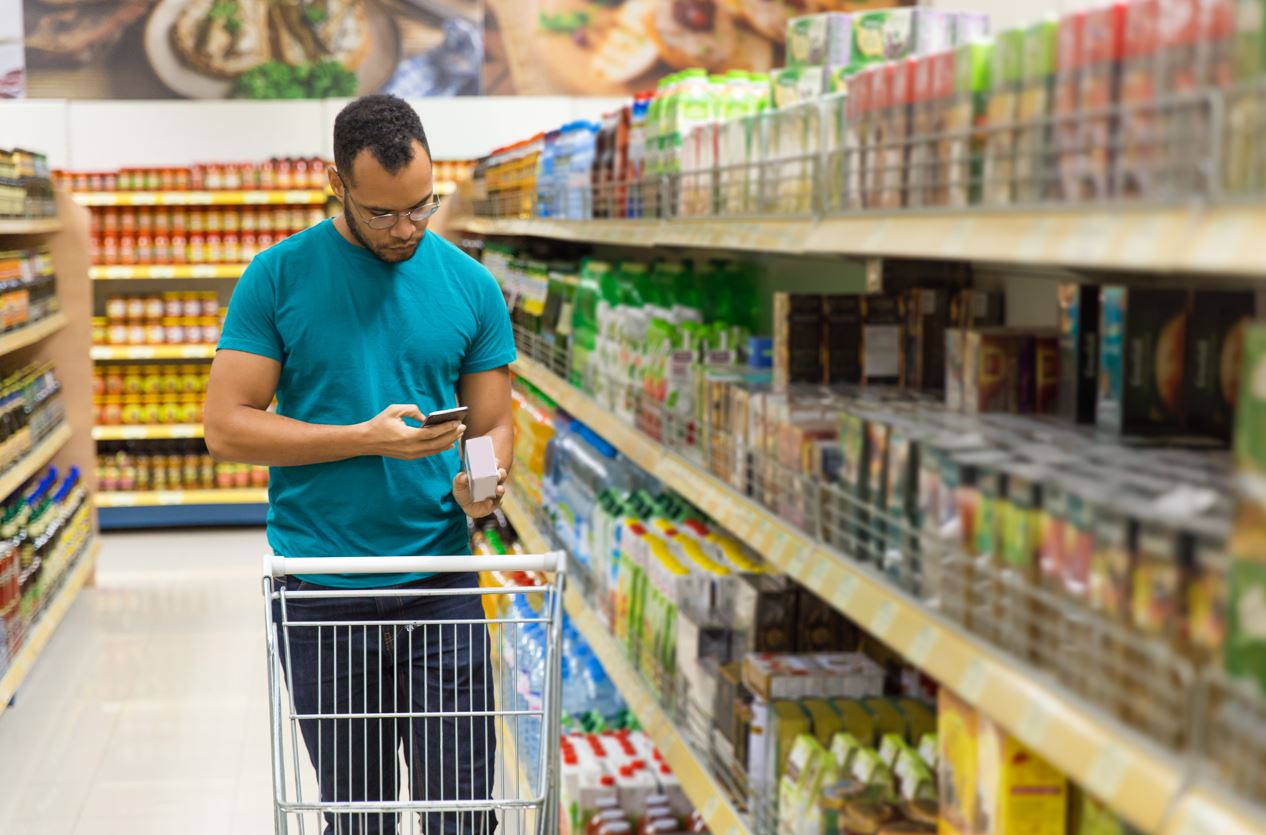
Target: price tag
[[795, 566], [1032, 246], [194, 198], [955, 244], [816, 580], [202, 271], [842, 597], [194, 351], [122, 500], [118, 272], [1107, 772], [171, 497], [1033, 725], [134, 433], [161, 272], [139, 353], [183, 431], [885, 616], [923, 644], [710, 808], [971, 685], [1090, 240], [298, 197], [144, 198], [255, 197]]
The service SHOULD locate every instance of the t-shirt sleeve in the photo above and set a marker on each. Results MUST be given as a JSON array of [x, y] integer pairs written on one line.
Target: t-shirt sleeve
[[251, 323], [493, 345]]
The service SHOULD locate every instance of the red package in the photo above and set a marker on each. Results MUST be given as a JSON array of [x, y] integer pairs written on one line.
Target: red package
[[857, 137], [898, 156], [1216, 33], [1142, 149], [1102, 47], [880, 102], [941, 99]]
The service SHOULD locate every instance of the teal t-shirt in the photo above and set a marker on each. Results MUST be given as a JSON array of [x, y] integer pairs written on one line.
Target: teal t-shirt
[[355, 335]]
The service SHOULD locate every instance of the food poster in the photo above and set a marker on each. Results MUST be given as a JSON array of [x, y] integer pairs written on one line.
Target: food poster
[[12, 53], [252, 49], [620, 47]]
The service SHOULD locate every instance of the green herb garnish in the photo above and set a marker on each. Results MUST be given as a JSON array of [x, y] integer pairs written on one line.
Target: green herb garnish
[[564, 22], [277, 80]]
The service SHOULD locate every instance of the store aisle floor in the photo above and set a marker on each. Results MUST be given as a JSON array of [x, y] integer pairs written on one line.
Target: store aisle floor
[[148, 711]]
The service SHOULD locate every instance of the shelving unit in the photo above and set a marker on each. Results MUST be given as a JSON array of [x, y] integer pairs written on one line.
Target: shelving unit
[[179, 508], [31, 334], [173, 271], [147, 433], [1138, 778], [293, 197], [696, 780], [20, 667], [152, 352], [32, 226], [64, 339], [1223, 240]]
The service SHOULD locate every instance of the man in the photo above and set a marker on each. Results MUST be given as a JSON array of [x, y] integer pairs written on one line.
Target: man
[[361, 326]]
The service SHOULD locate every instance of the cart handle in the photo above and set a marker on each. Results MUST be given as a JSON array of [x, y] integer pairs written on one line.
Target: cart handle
[[275, 566]]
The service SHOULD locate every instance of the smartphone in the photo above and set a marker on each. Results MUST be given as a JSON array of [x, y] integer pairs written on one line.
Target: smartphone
[[445, 416]]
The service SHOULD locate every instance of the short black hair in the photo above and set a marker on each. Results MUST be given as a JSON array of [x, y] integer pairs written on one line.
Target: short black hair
[[386, 125]]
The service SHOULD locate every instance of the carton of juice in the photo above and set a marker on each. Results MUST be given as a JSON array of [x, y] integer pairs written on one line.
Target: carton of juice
[[897, 157], [1142, 149], [966, 115], [1103, 43], [857, 139], [1003, 108], [1069, 66], [880, 127], [1183, 64], [1037, 89], [941, 101], [918, 187]]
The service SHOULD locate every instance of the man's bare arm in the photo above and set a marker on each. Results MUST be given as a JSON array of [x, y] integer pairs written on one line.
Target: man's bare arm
[[487, 395], [240, 428]]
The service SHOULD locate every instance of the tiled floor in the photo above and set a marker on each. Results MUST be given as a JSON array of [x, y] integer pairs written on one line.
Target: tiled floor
[[148, 711]]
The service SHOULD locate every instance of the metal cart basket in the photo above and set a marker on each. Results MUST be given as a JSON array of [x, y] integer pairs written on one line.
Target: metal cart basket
[[407, 697]]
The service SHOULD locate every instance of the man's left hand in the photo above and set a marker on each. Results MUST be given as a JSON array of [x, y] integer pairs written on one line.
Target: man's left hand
[[477, 510]]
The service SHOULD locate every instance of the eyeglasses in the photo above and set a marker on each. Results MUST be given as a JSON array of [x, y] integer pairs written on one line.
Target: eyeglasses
[[417, 214]]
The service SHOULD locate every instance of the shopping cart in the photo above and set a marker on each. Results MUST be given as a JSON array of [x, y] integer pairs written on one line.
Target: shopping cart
[[401, 752]]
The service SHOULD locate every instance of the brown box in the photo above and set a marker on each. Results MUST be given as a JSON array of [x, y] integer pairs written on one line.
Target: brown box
[[843, 338], [797, 339]]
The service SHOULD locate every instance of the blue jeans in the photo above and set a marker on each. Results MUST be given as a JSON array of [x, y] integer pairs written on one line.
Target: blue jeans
[[394, 669]]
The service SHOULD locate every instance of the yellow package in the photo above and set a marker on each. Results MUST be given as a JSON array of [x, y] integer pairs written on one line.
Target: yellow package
[[888, 719], [858, 720], [1019, 791], [827, 722], [956, 765], [844, 748], [920, 720], [787, 720]]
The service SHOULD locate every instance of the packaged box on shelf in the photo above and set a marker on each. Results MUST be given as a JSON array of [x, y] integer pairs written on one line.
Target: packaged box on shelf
[[809, 767], [842, 323], [1037, 84], [1078, 351], [774, 728], [891, 34], [964, 147], [825, 675], [923, 359], [762, 613], [1142, 357], [1215, 340], [823, 40], [1002, 113], [881, 339], [1103, 34], [1139, 156], [1070, 67]]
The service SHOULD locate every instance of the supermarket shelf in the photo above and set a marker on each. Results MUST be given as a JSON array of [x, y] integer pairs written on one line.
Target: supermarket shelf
[[32, 226], [313, 197], [168, 271], [22, 663], [34, 461], [182, 508], [1221, 239], [177, 498], [153, 352], [30, 334], [147, 433], [704, 792], [1138, 778]]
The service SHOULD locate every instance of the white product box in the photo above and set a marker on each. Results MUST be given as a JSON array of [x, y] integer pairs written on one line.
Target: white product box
[[481, 468]]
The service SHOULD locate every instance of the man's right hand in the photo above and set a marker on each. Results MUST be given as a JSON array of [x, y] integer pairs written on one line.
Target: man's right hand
[[389, 436]]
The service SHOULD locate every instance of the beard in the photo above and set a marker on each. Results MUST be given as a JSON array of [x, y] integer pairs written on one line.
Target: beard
[[382, 253]]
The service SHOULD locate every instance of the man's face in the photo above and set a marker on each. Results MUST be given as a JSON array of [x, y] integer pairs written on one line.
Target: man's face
[[371, 190]]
